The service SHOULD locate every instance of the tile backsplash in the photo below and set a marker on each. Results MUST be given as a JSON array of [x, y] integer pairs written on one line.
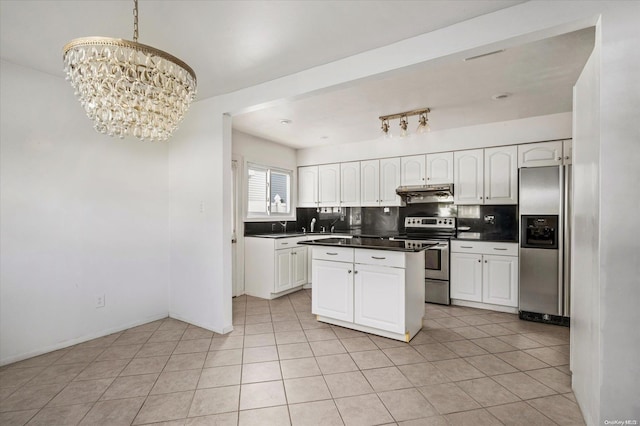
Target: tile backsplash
[[501, 221]]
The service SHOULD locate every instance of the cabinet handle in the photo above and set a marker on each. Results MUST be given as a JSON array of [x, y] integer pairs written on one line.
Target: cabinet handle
[[355, 272], [466, 246], [332, 254], [284, 244], [485, 261], [481, 198], [479, 261], [559, 158], [566, 158], [502, 249], [379, 258], [349, 271]]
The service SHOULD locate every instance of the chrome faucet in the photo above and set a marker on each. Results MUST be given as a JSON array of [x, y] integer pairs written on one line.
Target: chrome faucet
[[284, 226], [313, 224]]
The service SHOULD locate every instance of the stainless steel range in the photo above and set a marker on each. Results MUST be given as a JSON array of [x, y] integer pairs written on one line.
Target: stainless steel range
[[435, 232]]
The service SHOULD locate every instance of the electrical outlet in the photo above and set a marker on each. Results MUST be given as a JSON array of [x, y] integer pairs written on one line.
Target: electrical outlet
[[99, 300]]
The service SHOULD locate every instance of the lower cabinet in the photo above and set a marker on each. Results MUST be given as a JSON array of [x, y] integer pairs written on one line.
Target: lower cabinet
[[334, 298], [379, 297], [383, 295], [478, 276], [290, 268], [274, 267]]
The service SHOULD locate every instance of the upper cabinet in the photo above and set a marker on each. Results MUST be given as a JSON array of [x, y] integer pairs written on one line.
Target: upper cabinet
[[468, 183], [439, 168], [308, 186], [412, 170], [486, 176], [501, 175], [350, 184], [389, 182], [370, 183], [540, 154], [378, 182], [329, 185]]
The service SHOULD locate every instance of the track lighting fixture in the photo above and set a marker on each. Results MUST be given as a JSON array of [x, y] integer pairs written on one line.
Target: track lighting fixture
[[423, 122]]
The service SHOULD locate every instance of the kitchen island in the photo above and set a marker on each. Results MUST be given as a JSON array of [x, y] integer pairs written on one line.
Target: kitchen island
[[373, 285]]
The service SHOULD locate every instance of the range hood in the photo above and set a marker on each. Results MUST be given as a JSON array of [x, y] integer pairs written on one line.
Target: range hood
[[414, 194]]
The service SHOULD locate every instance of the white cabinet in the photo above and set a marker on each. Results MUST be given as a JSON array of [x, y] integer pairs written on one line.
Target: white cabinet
[[486, 176], [274, 267], [332, 292], [308, 186], [466, 276], [481, 276], [370, 183], [389, 182], [468, 184], [540, 154], [350, 184], [501, 175], [412, 170], [439, 168], [379, 297], [378, 182], [377, 291], [329, 185], [500, 280]]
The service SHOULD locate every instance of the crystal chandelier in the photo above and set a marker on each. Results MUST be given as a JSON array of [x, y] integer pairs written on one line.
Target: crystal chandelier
[[128, 88]]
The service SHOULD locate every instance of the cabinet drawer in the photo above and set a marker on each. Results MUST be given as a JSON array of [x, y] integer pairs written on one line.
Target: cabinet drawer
[[380, 257], [484, 247], [283, 243], [336, 254]]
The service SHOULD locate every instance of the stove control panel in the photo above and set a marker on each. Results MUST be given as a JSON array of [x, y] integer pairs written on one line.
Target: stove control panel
[[430, 222]]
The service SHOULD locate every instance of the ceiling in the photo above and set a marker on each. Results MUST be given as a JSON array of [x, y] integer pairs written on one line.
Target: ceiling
[[230, 44], [237, 44], [538, 77]]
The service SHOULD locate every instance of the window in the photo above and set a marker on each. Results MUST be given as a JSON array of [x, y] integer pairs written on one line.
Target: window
[[268, 192]]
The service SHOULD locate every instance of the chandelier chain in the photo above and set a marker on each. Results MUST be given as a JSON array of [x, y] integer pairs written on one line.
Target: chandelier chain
[[135, 20]]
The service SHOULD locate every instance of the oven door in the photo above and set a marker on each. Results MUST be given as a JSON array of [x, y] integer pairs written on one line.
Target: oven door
[[436, 261]]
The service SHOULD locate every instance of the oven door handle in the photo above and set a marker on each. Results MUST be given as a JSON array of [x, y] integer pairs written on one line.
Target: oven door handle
[[439, 247]]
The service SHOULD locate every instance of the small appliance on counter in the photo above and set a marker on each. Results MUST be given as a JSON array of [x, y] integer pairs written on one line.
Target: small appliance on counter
[[436, 232], [544, 244]]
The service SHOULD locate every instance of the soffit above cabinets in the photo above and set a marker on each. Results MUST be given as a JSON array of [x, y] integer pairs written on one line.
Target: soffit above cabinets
[[539, 76]]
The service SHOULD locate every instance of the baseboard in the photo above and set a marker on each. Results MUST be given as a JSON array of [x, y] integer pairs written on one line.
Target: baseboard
[[224, 330], [78, 340], [488, 306]]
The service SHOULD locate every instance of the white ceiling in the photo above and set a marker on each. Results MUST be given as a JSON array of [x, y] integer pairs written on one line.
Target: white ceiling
[[237, 44], [539, 77], [230, 44]]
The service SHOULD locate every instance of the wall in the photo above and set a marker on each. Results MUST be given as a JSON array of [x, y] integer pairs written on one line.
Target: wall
[[585, 256], [82, 214], [619, 204], [200, 182], [262, 151], [533, 129]]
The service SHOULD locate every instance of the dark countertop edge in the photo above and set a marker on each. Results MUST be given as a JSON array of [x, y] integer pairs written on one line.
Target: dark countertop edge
[[488, 240], [326, 244], [310, 234]]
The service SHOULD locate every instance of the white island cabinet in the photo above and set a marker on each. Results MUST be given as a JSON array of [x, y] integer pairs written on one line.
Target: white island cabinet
[[372, 290]]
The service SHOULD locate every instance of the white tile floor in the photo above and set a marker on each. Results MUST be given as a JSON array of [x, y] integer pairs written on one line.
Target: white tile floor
[[280, 367]]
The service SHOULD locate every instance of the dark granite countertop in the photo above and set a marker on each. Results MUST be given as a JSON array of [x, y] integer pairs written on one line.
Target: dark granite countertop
[[363, 242], [497, 237], [276, 235]]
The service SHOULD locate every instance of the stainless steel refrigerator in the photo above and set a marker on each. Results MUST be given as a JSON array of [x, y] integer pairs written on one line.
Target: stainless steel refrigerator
[[545, 273]]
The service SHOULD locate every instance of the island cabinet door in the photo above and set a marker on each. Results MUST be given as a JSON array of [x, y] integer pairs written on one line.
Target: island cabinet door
[[332, 290], [379, 297]]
